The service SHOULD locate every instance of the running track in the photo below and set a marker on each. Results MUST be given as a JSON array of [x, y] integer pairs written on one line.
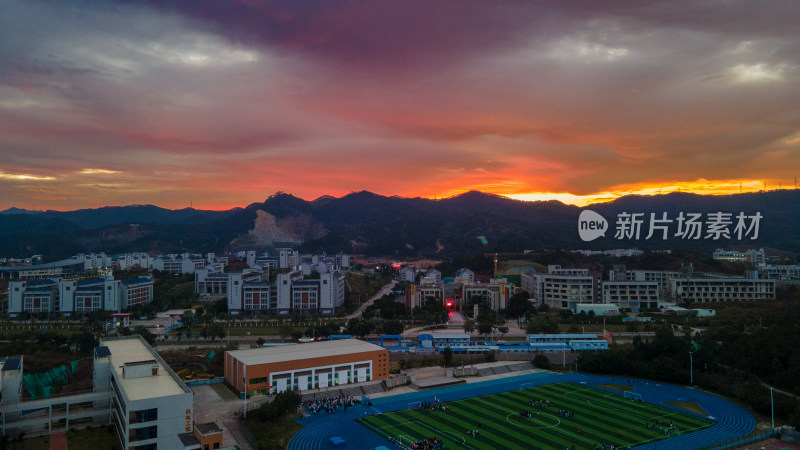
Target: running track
[[732, 420]]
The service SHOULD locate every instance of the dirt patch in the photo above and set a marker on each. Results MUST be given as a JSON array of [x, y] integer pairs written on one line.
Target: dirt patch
[[192, 364]]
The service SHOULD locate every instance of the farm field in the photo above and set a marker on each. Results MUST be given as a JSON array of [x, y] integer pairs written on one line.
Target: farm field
[[579, 416]]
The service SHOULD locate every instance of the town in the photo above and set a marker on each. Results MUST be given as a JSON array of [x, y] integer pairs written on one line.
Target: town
[[316, 324]]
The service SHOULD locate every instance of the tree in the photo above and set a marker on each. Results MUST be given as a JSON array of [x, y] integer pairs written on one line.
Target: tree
[[146, 334], [393, 327], [187, 320], [519, 304], [469, 326], [216, 330], [447, 355], [285, 330], [541, 361], [503, 330]]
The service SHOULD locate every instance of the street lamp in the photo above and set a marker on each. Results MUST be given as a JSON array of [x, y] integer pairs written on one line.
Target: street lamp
[[691, 372], [772, 407]]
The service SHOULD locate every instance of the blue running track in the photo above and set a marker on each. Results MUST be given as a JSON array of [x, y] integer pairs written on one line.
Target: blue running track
[[732, 421]]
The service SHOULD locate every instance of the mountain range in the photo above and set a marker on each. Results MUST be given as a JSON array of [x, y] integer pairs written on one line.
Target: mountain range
[[371, 224]]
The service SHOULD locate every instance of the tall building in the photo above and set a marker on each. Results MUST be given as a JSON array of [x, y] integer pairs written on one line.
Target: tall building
[[563, 288]]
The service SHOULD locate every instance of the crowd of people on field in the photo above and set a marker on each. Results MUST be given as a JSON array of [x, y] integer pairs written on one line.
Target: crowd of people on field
[[330, 404], [434, 406], [431, 443]]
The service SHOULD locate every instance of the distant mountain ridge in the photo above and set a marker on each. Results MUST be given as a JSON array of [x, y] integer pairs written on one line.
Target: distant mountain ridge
[[363, 222]]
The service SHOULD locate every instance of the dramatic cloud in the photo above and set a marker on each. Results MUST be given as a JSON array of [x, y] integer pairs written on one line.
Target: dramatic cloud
[[220, 104]]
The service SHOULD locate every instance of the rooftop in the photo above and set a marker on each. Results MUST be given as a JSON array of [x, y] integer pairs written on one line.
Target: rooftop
[[137, 280], [12, 363], [208, 428], [134, 349], [303, 351]]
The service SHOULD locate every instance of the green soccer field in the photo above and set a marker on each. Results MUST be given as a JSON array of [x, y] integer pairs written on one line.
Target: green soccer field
[[599, 417]]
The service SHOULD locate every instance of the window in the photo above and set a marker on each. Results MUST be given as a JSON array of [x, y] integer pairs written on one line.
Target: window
[[145, 447], [144, 415], [140, 434]]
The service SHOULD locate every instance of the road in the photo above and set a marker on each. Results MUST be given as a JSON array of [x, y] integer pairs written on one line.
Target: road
[[384, 290]]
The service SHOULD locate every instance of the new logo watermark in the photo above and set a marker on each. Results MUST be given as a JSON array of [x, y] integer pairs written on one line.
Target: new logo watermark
[[691, 226], [591, 225]]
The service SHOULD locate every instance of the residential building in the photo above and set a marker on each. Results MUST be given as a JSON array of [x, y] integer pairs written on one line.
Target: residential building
[[632, 294], [287, 258], [564, 288], [660, 277], [178, 264], [94, 260], [417, 296], [465, 276], [408, 273], [751, 256], [494, 294], [782, 274], [67, 296], [432, 276], [703, 290], [134, 260]]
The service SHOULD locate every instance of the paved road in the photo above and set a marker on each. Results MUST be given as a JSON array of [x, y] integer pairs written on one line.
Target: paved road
[[384, 290]]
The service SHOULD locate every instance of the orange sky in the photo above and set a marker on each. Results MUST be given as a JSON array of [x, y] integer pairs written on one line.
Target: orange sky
[[222, 104]]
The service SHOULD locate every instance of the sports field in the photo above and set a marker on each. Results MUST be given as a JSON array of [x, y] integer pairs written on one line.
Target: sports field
[[595, 417]]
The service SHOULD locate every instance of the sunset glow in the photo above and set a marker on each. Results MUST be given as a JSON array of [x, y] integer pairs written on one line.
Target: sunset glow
[[221, 104]]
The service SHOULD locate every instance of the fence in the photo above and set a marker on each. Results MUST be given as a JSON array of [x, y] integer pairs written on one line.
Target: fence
[[738, 442], [203, 382]]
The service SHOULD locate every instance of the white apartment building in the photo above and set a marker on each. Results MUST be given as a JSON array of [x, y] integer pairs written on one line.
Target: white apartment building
[[733, 289], [752, 256], [465, 275], [132, 260], [408, 273], [562, 288], [287, 258], [78, 296], [418, 296], [94, 260], [291, 293], [660, 277], [782, 274], [632, 294], [432, 276], [178, 264], [493, 295], [210, 283]]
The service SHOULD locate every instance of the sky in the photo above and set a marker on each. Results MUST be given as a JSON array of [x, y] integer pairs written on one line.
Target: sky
[[217, 104]]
